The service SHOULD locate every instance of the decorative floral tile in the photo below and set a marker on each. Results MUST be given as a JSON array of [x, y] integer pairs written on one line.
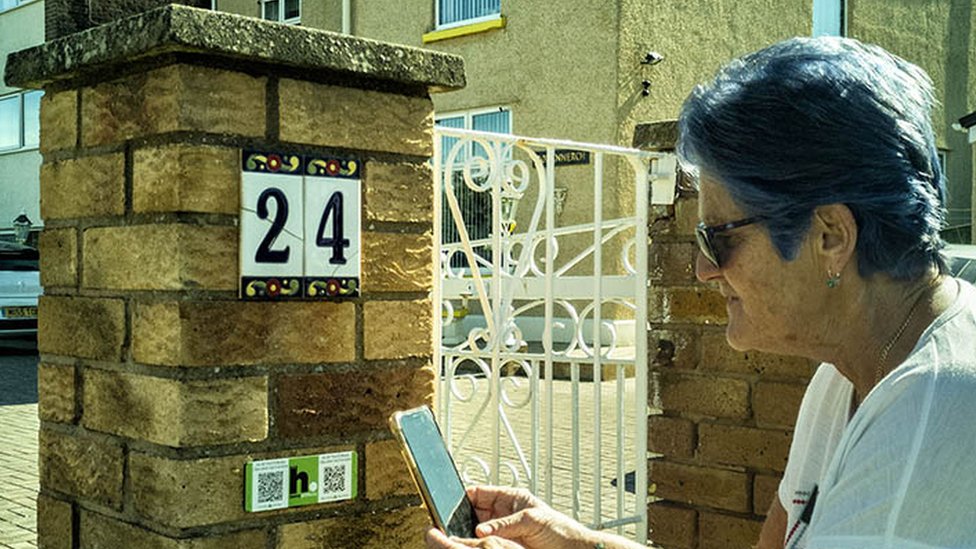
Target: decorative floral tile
[[300, 224]]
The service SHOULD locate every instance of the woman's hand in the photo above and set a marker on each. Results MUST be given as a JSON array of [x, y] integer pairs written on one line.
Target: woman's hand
[[508, 515], [437, 540]]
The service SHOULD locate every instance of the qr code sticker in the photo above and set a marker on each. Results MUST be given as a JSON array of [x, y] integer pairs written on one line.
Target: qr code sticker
[[270, 487], [335, 476]]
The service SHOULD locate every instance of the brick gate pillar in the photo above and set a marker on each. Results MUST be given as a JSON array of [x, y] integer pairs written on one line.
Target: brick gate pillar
[[159, 383], [725, 424]]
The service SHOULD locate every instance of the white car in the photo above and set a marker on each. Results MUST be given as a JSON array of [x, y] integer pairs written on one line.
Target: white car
[[20, 286], [962, 261]]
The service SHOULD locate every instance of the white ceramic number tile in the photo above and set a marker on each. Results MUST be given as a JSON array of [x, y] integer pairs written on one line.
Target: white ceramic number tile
[[332, 208], [271, 245]]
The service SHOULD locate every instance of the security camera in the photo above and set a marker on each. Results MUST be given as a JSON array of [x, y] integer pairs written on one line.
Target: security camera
[[652, 58]]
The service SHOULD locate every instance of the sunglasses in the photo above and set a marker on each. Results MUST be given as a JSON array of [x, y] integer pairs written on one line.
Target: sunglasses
[[705, 235]]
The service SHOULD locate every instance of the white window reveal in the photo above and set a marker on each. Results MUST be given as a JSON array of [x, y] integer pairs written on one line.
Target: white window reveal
[[283, 11], [454, 13], [829, 18], [20, 120], [475, 206]]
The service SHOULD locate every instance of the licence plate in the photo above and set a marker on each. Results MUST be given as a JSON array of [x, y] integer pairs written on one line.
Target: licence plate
[[28, 311]]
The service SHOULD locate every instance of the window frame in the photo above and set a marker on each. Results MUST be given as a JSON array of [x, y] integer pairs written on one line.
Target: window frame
[[469, 115], [844, 4], [297, 20], [22, 144], [438, 26]]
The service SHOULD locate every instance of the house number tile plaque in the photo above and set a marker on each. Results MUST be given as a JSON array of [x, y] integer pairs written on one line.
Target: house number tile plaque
[[300, 226]]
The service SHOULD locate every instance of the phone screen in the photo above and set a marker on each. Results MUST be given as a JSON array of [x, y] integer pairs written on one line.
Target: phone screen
[[438, 473]]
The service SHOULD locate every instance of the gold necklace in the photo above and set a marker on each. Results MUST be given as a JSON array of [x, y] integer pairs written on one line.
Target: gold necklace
[[901, 330]]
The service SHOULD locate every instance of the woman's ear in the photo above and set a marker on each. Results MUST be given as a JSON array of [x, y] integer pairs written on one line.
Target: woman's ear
[[836, 235]]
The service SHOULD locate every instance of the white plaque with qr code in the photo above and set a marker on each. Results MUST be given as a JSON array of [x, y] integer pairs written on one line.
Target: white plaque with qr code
[[305, 480]]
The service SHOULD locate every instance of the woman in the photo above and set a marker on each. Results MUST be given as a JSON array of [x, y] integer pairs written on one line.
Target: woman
[[820, 198]]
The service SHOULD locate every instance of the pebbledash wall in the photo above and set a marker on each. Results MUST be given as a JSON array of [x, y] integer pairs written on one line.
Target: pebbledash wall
[[724, 433], [157, 383]]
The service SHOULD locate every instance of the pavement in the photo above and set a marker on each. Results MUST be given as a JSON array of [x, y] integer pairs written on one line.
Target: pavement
[[18, 446]]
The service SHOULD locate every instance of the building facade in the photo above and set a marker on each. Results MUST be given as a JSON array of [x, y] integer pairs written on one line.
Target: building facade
[[580, 70], [21, 26], [577, 70]]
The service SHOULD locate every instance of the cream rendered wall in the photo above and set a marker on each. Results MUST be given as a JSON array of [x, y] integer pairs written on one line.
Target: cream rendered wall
[[940, 37], [20, 28], [554, 64]]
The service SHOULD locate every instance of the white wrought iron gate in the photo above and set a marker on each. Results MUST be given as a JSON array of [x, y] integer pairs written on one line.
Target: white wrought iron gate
[[543, 341]]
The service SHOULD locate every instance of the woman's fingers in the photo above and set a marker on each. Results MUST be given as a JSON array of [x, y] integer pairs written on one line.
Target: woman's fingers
[[437, 540], [520, 525]]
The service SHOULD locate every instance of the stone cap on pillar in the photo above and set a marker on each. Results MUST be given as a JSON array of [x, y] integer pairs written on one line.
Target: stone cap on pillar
[[656, 136], [177, 32]]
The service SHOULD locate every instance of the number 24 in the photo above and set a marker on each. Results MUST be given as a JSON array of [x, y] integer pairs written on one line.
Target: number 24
[[333, 210]]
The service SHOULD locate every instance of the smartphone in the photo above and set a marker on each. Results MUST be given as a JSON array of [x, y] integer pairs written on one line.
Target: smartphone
[[434, 471]]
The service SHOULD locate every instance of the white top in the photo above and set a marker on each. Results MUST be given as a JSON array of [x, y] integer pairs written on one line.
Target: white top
[[902, 474]]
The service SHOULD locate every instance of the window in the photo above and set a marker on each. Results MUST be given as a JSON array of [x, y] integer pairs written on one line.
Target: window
[[19, 120], [284, 11], [453, 13], [829, 17], [11, 4], [475, 206]]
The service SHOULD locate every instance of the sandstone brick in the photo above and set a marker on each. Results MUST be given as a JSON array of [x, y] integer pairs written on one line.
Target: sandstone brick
[[185, 178], [54, 530], [56, 392], [199, 492], [351, 118], [396, 528], [344, 402], [84, 466], [59, 257], [187, 493], [81, 327], [777, 403], [672, 262], [704, 486], [100, 532], [706, 396], [745, 446], [161, 257], [398, 192], [215, 333], [764, 488], [173, 98], [673, 437], [675, 348], [694, 305], [397, 262], [176, 413], [386, 471], [686, 215], [719, 531], [718, 356], [59, 120], [671, 526], [397, 329], [90, 186]]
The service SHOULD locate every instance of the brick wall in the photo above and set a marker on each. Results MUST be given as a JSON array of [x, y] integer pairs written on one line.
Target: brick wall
[[157, 384], [725, 424]]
